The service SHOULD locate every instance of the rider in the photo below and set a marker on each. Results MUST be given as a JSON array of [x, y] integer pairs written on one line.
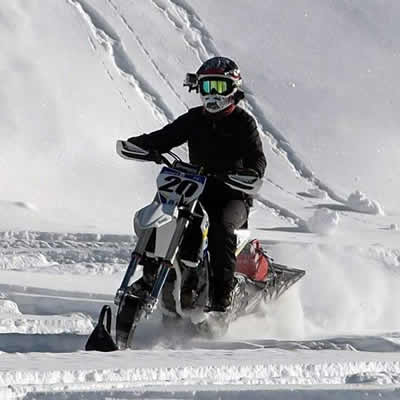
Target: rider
[[222, 137]]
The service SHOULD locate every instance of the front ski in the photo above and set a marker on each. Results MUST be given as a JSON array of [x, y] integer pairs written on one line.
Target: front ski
[[100, 339]]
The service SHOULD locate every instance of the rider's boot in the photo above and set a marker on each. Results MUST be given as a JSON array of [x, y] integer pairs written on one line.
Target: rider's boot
[[224, 296], [188, 292]]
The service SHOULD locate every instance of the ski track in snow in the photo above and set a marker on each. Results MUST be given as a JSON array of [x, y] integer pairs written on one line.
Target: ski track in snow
[[111, 41], [189, 25], [141, 45], [283, 212], [205, 48]]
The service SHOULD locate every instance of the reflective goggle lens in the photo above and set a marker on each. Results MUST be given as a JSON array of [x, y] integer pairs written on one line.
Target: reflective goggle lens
[[209, 86]]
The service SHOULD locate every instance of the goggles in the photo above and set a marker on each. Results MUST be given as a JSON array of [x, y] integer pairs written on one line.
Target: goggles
[[216, 85]]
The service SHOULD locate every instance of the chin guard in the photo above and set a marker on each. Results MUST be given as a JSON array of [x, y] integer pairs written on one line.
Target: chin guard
[[191, 82]]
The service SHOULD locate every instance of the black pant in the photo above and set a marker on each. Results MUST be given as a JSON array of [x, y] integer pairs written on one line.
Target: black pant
[[225, 217]]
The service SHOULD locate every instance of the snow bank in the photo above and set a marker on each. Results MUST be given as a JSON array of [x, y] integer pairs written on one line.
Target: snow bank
[[64, 252], [323, 221], [390, 258], [182, 368], [22, 261], [15, 322], [359, 202], [9, 307]]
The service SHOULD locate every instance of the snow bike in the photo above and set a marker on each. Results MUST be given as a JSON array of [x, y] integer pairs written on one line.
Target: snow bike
[[183, 285]]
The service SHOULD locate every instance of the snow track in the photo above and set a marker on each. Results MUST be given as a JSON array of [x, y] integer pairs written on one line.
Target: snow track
[[54, 317], [179, 369], [141, 45], [111, 41]]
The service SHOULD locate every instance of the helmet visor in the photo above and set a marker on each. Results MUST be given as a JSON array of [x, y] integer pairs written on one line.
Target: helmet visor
[[213, 85]]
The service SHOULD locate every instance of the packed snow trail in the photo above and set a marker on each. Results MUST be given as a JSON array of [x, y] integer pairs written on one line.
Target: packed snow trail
[[179, 368]]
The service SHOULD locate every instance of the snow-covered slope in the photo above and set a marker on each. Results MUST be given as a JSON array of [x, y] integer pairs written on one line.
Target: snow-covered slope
[[321, 79]]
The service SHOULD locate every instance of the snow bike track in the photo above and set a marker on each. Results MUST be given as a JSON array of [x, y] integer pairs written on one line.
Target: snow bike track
[[42, 345]]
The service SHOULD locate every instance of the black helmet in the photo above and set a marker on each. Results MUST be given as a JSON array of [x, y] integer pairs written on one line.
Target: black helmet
[[219, 81], [220, 66]]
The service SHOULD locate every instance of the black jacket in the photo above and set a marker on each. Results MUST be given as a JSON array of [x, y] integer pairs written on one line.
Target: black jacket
[[219, 144]]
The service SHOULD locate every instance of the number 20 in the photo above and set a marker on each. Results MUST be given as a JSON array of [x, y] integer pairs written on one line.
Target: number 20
[[184, 188]]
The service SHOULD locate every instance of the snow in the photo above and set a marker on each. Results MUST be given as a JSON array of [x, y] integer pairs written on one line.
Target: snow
[[44, 325], [222, 367], [9, 307], [322, 81], [323, 221], [317, 193], [359, 202]]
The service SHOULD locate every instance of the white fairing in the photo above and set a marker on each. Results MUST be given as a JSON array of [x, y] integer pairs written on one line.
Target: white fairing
[[163, 219], [174, 189], [154, 215], [163, 240]]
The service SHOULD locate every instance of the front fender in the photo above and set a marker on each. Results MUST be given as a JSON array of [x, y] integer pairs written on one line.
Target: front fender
[[154, 215]]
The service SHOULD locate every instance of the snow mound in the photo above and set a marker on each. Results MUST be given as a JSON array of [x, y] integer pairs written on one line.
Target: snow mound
[[390, 258], [22, 261], [323, 221], [76, 323], [380, 378], [84, 253], [358, 201], [9, 307]]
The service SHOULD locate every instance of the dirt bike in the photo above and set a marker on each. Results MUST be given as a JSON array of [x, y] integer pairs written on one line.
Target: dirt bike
[[182, 285]]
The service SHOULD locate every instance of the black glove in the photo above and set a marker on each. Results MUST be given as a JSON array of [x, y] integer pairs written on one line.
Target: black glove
[[154, 155], [137, 141]]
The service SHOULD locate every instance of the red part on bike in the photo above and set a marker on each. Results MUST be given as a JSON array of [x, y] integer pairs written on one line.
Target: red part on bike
[[252, 262]]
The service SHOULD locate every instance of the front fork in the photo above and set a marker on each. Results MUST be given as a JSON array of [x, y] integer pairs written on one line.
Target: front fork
[[130, 271], [163, 270]]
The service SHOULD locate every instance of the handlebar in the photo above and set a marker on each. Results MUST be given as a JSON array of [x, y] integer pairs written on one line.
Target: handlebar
[[244, 181]]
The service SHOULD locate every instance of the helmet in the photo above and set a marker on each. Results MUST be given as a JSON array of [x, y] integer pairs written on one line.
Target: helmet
[[218, 80]]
